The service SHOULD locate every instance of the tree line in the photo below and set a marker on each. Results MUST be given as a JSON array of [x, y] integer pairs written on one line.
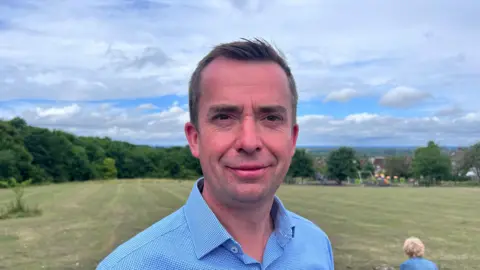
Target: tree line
[[428, 165], [41, 156], [44, 155]]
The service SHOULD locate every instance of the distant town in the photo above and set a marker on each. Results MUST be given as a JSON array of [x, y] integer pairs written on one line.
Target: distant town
[[390, 160]]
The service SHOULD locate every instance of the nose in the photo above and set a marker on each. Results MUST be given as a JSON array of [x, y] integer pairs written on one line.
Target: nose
[[248, 137]]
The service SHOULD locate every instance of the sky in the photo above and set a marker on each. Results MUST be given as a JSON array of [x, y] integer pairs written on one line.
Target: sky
[[369, 73]]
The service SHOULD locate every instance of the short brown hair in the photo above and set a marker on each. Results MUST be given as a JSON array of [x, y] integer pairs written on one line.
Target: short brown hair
[[243, 50]]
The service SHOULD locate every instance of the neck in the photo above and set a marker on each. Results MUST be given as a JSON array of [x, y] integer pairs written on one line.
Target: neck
[[250, 226]]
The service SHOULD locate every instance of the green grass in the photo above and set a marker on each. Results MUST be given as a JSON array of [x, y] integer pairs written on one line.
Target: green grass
[[82, 222]]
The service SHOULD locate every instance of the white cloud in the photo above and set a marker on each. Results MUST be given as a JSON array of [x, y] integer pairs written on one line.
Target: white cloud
[[471, 117], [361, 117], [403, 97], [369, 129], [112, 49], [129, 124], [147, 106], [66, 111], [343, 95]]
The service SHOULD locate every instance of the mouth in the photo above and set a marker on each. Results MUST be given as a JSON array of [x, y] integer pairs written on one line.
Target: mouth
[[248, 172]]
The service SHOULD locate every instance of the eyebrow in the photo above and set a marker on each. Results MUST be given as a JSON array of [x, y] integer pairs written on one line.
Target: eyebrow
[[272, 109], [226, 108]]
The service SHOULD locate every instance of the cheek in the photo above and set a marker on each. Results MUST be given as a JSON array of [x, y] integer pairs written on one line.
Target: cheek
[[281, 144], [216, 143]]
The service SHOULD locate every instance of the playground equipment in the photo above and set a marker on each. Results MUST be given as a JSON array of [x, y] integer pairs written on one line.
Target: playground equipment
[[361, 174], [385, 179], [366, 177]]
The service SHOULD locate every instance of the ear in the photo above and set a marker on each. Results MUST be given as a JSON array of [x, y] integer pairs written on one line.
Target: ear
[[295, 131], [192, 136]]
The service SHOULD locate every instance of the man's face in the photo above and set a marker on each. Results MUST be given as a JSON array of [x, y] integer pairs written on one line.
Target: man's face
[[246, 139]]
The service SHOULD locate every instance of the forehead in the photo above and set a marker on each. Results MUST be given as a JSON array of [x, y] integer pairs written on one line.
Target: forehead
[[226, 80]]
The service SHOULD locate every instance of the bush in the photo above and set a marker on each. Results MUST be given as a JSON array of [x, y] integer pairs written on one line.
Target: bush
[[18, 208], [4, 184]]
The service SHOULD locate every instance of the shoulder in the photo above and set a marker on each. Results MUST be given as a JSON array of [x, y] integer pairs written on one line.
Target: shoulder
[[155, 238], [431, 264], [308, 227], [418, 262], [406, 263], [310, 236]]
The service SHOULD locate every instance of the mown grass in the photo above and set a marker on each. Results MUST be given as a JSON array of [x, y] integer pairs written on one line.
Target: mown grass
[[82, 222]]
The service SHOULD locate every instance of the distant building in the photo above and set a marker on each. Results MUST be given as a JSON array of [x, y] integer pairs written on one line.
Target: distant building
[[378, 163]]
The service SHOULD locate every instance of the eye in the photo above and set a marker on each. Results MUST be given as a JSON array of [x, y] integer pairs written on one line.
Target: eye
[[273, 118], [221, 117]]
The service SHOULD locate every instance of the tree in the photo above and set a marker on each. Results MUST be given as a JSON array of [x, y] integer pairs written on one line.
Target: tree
[[342, 163], [472, 160], [52, 152], [397, 166], [18, 123], [80, 168], [15, 160], [302, 165], [368, 167], [429, 162], [109, 171]]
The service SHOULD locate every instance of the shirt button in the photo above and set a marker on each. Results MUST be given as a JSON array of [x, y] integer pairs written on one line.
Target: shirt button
[[234, 249]]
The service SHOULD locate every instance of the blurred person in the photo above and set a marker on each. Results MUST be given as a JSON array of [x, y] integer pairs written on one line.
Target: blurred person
[[415, 249], [243, 129]]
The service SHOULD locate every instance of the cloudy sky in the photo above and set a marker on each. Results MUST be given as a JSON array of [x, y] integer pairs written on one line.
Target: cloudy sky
[[369, 72]]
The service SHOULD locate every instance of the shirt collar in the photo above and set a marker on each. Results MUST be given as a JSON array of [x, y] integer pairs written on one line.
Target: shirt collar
[[208, 233]]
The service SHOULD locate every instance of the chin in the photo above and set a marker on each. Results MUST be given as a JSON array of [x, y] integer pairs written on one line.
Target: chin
[[248, 198], [250, 192]]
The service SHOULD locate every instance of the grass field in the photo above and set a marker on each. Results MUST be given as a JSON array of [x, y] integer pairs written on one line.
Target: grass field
[[83, 222]]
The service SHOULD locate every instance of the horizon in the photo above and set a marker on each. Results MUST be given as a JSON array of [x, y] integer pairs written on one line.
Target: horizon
[[185, 143]]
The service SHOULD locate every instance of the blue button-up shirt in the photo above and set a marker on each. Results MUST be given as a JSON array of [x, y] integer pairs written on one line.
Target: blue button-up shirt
[[193, 238]]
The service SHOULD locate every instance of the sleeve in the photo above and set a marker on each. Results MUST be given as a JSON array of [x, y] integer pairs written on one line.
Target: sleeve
[[331, 260]]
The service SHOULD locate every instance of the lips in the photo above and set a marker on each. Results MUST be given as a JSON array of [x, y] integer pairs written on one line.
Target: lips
[[248, 171]]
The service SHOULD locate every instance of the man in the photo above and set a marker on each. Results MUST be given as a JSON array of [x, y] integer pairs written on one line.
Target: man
[[243, 129]]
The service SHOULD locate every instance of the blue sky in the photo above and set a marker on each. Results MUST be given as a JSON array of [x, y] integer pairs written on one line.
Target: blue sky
[[369, 73]]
